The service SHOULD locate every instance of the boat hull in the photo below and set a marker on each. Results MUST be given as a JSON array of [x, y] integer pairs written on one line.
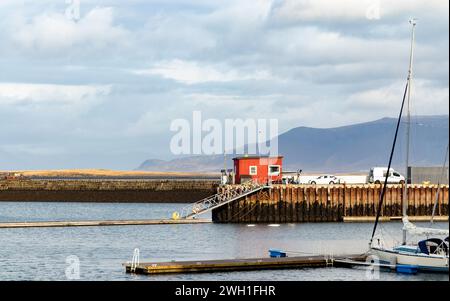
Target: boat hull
[[429, 263]]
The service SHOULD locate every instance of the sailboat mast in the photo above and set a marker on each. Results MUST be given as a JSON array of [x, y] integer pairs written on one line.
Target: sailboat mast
[[408, 124]]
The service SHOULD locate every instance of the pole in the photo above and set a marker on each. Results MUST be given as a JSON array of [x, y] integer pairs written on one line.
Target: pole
[[408, 124]]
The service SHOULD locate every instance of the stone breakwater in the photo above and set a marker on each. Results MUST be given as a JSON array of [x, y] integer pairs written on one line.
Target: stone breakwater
[[133, 191]]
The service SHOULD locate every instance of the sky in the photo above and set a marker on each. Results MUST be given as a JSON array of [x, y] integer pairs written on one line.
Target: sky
[[98, 85]]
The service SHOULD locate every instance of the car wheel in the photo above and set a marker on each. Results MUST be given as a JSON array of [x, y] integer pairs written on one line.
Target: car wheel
[[401, 182], [313, 183], [377, 182], [331, 182]]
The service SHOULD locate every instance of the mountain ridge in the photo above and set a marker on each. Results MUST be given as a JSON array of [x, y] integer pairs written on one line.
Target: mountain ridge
[[347, 148]]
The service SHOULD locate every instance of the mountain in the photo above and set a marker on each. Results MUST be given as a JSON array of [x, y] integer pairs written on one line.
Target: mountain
[[211, 163], [350, 148]]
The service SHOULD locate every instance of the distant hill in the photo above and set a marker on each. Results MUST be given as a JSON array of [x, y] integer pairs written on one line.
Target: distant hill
[[343, 149]]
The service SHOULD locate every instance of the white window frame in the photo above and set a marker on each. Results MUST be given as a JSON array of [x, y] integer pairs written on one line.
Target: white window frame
[[275, 173], [250, 170]]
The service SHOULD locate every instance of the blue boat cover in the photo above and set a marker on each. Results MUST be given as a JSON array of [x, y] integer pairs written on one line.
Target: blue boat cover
[[433, 243]]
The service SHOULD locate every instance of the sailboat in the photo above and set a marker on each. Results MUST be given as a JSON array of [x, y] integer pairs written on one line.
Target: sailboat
[[431, 252]]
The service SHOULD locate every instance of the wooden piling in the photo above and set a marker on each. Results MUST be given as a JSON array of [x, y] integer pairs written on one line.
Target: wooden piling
[[311, 203]]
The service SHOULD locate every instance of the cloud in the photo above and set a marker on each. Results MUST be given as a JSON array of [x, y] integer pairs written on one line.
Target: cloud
[[194, 73], [426, 98], [55, 33], [248, 12], [105, 88], [22, 94], [346, 10]]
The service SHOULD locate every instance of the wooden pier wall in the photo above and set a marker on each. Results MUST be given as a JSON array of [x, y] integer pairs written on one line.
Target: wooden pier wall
[[146, 191], [330, 203]]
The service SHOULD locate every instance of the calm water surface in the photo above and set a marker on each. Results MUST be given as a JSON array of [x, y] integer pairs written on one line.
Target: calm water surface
[[41, 253]]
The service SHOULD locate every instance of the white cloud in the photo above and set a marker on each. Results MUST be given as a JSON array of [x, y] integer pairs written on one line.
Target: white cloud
[[315, 10], [312, 46], [189, 72], [53, 32], [242, 12], [425, 98], [307, 63], [21, 93]]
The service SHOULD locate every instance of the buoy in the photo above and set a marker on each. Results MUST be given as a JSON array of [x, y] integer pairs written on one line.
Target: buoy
[[175, 215]]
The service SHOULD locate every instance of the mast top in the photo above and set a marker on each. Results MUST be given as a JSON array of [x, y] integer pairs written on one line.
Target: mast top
[[413, 21]]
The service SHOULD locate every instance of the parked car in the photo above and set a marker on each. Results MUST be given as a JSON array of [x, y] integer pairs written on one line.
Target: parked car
[[378, 174], [325, 179]]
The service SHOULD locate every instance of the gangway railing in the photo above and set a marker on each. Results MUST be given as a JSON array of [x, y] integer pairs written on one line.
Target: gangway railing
[[230, 194]]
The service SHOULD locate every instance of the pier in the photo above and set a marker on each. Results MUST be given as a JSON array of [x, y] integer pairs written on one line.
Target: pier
[[102, 223], [246, 264], [330, 203], [244, 203]]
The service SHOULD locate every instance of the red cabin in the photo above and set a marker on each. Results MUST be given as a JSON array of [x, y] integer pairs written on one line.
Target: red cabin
[[257, 169]]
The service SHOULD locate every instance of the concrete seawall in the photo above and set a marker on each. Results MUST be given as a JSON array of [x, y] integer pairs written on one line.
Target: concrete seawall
[[329, 203], [133, 191]]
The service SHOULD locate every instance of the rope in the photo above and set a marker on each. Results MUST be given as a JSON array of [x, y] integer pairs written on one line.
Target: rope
[[439, 185], [380, 203]]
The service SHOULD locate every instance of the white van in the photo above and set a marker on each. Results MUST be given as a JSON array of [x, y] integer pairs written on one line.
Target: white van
[[378, 174]]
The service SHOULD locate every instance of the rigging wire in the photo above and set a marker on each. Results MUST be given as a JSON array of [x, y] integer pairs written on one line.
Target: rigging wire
[[380, 203], [439, 186]]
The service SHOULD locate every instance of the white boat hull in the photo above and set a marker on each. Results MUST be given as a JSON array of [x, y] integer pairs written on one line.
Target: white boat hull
[[432, 263]]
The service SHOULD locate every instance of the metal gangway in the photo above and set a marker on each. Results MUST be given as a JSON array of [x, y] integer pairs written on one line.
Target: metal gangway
[[230, 194]]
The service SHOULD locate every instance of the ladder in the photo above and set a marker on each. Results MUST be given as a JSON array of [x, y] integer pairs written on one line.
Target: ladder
[[231, 194]]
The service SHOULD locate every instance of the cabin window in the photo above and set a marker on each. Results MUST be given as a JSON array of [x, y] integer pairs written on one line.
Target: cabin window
[[253, 170], [274, 170]]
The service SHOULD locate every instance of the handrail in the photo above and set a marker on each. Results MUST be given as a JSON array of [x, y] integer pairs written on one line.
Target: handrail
[[134, 260], [219, 199]]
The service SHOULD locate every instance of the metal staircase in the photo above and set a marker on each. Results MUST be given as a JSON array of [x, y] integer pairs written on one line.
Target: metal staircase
[[231, 194]]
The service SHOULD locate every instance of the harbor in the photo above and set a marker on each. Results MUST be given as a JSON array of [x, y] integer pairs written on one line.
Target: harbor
[[277, 203], [219, 148], [41, 253]]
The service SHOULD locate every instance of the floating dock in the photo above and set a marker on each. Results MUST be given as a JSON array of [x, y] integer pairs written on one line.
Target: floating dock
[[230, 265], [103, 223]]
